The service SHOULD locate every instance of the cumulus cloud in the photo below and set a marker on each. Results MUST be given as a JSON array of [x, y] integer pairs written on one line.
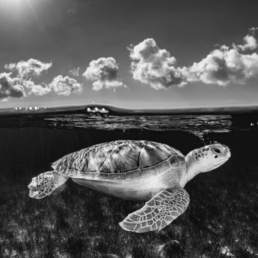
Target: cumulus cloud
[[223, 66], [253, 30], [154, 66], [250, 44], [37, 89], [75, 72], [65, 85], [10, 87], [226, 65], [104, 73], [28, 68], [250, 41], [17, 85]]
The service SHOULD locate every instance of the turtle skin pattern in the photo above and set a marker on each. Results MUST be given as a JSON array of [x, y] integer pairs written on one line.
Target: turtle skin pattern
[[157, 213]]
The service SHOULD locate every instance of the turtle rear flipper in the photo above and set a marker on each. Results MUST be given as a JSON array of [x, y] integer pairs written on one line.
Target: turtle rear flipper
[[158, 212], [45, 184]]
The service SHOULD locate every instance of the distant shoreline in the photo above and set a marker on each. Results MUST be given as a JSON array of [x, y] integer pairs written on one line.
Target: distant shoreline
[[101, 109]]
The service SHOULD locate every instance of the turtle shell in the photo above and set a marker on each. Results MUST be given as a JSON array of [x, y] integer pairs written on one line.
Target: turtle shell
[[117, 157]]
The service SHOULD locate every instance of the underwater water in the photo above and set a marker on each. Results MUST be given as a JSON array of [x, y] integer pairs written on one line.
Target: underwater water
[[221, 220]]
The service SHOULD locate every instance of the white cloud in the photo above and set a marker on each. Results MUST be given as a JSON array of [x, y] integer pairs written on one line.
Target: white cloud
[[154, 66], [61, 85], [223, 66], [75, 72], [28, 68], [10, 87], [40, 90], [65, 85], [37, 89], [253, 30], [16, 87], [250, 44], [104, 73]]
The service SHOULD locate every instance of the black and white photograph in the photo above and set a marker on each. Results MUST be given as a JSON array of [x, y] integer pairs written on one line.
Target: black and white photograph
[[128, 129]]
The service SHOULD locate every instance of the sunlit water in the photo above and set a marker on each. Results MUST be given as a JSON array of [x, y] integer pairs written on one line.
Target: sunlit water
[[221, 220]]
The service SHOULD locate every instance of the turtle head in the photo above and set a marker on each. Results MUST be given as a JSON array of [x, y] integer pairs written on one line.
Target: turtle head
[[211, 156], [205, 159]]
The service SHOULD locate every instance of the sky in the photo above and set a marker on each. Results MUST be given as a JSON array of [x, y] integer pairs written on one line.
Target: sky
[[144, 54]]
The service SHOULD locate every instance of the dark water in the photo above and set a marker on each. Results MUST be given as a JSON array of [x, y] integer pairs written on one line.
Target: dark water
[[221, 220]]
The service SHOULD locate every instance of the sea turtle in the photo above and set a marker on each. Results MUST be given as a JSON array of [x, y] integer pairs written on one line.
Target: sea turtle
[[136, 170]]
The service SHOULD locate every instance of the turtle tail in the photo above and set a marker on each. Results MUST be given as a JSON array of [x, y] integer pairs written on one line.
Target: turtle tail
[[46, 183]]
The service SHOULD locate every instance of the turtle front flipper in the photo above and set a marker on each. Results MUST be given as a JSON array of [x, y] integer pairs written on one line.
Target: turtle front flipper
[[45, 184], [158, 212]]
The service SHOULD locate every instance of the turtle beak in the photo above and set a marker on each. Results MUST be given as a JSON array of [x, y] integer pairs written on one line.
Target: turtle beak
[[227, 152]]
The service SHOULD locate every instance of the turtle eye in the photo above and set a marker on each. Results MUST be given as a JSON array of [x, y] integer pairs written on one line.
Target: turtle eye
[[217, 150]]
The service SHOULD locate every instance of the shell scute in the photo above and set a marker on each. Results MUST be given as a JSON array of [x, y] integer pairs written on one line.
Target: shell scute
[[166, 164], [151, 171], [112, 176], [133, 174], [135, 159]]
